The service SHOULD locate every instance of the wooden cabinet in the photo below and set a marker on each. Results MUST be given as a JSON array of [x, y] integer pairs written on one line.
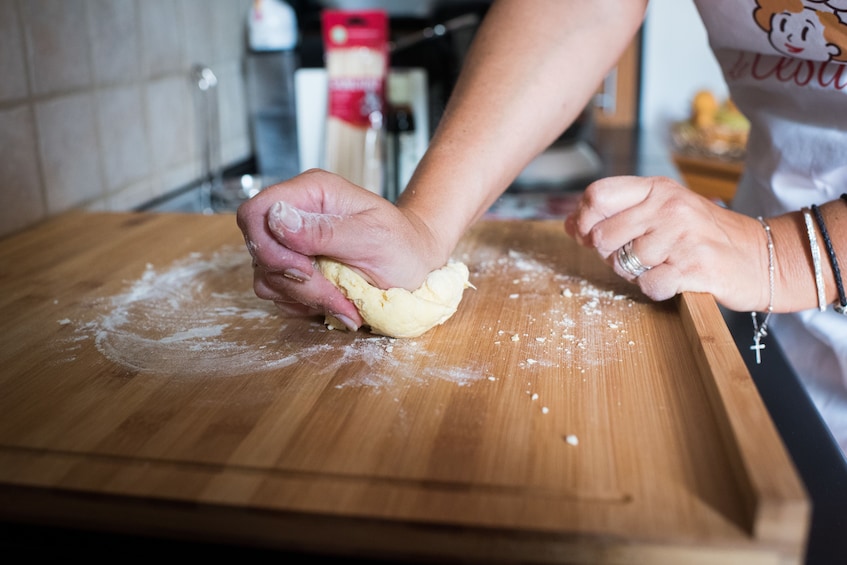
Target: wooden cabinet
[[712, 178], [616, 102]]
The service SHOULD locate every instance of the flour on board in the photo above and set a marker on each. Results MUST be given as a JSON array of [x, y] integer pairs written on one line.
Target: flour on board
[[200, 316], [564, 335]]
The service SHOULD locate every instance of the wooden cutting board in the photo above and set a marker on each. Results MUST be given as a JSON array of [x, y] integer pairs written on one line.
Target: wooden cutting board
[[558, 416]]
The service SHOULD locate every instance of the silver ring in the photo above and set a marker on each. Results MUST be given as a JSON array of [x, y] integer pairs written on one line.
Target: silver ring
[[630, 263]]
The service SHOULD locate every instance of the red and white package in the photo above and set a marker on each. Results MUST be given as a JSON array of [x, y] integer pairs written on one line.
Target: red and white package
[[356, 60]]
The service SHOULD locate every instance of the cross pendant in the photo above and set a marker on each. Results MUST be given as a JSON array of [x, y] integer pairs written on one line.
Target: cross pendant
[[758, 346]]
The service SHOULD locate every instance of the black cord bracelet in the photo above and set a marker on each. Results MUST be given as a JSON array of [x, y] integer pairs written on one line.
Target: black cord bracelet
[[841, 307]]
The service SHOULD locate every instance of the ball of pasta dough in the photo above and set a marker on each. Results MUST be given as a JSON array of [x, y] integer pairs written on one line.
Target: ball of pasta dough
[[397, 312]]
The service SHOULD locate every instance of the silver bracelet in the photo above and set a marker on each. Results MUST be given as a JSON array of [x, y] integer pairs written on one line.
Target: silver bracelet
[[840, 305], [761, 330], [816, 258]]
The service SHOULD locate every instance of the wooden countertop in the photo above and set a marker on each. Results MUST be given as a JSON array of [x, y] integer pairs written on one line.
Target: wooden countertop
[[559, 416]]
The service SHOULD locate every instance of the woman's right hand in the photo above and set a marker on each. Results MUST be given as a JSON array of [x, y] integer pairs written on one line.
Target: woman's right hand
[[317, 213]]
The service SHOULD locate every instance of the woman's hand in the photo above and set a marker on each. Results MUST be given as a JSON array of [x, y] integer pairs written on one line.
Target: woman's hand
[[691, 243], [318, 213]]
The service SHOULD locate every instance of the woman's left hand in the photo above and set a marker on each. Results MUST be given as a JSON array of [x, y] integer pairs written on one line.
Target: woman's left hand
[[689, 242]]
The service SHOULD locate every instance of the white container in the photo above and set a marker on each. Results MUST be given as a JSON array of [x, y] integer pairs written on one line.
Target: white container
[[270, 67], [272, 26]]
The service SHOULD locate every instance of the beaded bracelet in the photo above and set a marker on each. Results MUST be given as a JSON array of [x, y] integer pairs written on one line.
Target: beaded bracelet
[[841, 305], [761, 330], [816, 259]]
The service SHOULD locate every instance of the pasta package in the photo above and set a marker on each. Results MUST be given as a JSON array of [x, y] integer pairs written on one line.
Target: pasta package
[[356, 59]]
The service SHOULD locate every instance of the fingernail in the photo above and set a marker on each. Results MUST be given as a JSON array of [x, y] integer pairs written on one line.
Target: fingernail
[[286, 216], [348, 323], [296, 275]]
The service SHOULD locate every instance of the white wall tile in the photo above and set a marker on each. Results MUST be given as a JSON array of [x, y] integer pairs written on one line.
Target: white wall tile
[[169, 115], [21, 197], [98, 107], [230, 27], [115, 41], [161, 37], [175, 177], [198, 33], [233, 101], [131, 197], [12, 58], [123, 136], [70, 155], [57, 41], [100, 205]]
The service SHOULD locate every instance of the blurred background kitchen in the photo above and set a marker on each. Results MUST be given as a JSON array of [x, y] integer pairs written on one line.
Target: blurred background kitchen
[[171, 105]]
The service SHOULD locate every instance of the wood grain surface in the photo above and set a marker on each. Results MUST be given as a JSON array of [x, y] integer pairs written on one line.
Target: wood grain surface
[[558, 416]]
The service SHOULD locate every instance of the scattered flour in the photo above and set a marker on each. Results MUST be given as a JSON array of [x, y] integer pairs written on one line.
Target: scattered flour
[[571, 335], [190, 318], [200, 317]]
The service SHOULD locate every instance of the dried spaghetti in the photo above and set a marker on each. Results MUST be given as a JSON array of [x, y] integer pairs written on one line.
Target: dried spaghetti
[[356, 59]]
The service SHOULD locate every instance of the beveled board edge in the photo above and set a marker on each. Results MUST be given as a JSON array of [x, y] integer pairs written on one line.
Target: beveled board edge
[[778, 505]]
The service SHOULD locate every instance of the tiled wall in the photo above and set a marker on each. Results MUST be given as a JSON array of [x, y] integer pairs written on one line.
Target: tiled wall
[[98, 105]]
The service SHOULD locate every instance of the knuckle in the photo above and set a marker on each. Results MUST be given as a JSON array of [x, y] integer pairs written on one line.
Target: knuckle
[[597, 237], [594, 196], [675, 207]]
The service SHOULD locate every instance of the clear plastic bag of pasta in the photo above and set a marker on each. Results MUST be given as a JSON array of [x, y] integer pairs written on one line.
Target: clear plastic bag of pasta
[[356, 60]]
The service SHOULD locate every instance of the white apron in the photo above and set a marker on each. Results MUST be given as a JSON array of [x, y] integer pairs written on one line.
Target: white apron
[[783, 61]]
